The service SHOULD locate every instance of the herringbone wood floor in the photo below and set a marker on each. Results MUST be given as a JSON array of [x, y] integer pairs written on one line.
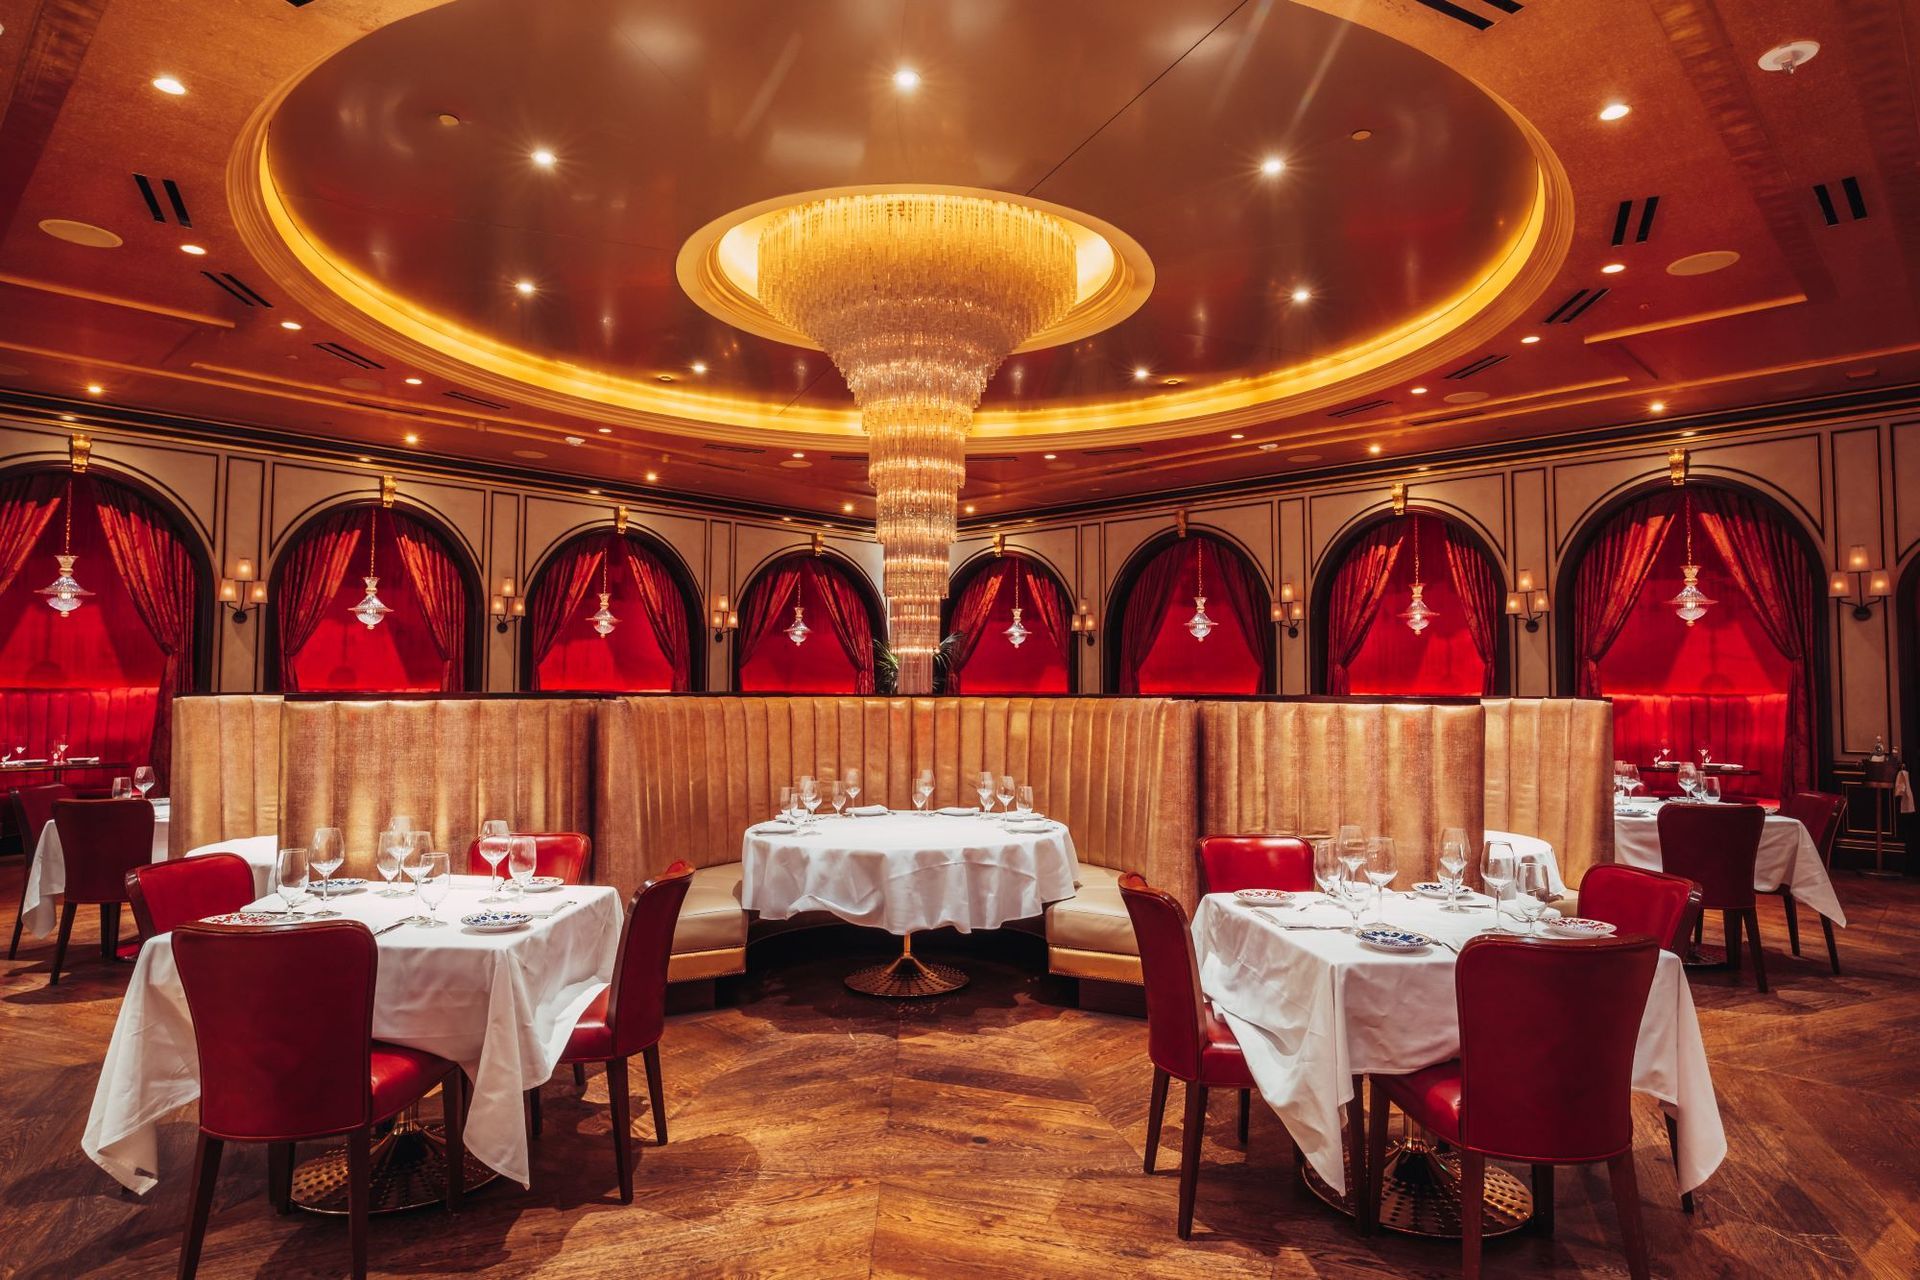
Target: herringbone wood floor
[[998, 1133]]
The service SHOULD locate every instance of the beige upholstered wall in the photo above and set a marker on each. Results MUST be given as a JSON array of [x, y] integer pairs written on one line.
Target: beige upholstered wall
[[226, 769], [682, 777], [1550, 774], [450, 764]]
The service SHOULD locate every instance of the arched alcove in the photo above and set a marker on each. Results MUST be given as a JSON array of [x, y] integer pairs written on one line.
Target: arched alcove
[[1150, 649], [982, 659], [842, 616], [654, 647]]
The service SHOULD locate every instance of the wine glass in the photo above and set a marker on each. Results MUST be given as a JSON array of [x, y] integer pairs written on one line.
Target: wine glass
[[1706, 757], [837, 797], [983, 787], [415, 863], [59, 753], [290, 879], [785, 810], [143, 780], [523, 859], [1351, 849], [1453, 865], [493, 847], [1023, 799], [1708, 790], [1496, 873], [809, 795], [1005, 793], [400, 822], [1381, 868], [123, 788], [1633, 779], [386, 860], [922, 790], [1687, 776], [325, 852], [1534, 890], [852, 785], [434, 884]]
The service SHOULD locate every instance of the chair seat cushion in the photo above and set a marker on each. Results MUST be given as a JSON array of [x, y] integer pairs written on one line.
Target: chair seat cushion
[[1222, 1065], [712, 918], [1095, 918], [402, 1075], [592, 1038], [1431, 1096]]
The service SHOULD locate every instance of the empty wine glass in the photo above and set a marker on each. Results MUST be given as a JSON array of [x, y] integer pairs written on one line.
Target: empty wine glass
[[143, 780], [837, 797], [400, 822], [1708, 790], [810, 795], [786, 803], [434, 884], [922, 790], [386, 860], [1687, 776], [523, 859], [853, 787], [1023, 799], [1453, 865], [1005, 793], [1706, 757], [1633, 779], [416, 863], [1496, 873], [325, 852], [123, 788], [983, 787], [290, 879], [1382, 867], [1326, 866], [1535, 890], [1352, 850], [493, 847], [59, 753]]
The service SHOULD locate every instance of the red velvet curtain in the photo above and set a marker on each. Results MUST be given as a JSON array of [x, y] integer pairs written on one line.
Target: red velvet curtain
[[1611, 577], [1236, 585], [1048, 604], [1354, 599], [848, 614], [768, 606], [1767, 563], [1159, 581], [441, 592], [666, 609], [158, 574], [26, 504], [1479, 593], [310, 572], [970, 613], [557, 597]]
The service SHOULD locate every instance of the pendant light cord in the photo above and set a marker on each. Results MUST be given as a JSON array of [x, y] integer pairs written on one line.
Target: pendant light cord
[[1200, 568], [373, 534], [1686, 518], [66, 534]]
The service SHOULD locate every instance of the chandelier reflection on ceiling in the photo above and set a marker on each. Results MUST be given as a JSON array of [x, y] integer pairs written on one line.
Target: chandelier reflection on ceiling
[[1691, 604], [372, 610], [1200, 624], [64, 594], [1418, 615]]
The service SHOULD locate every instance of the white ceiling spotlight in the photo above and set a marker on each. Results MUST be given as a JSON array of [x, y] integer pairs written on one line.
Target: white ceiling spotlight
[[1790, 56], [906, 79]]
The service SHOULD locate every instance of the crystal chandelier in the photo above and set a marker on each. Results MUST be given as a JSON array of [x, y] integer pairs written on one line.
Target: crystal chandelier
[[603, 620], [1691, 604], [798, 629], [1016, 634], [917, 298], [64, 593], [1417, 615], [1200, 624], [371, 610]]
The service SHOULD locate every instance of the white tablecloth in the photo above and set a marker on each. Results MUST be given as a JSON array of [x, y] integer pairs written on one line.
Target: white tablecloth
[[1314, 1008], [501, 1005], [261, 852], [47, 877], [1787, 855], [1526, 847], [906, 872]]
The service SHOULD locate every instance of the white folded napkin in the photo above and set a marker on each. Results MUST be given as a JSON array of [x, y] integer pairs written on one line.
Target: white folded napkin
[[773, 829], [961, 811], [869, 811]]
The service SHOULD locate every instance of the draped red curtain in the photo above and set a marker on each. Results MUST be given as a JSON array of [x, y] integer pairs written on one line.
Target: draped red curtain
[[847, 611], [1158, 582], [1237, 585], [667, 610], [442, 594], [985, 607], [1354, 599], [1050, 608], [563, 588], [1479, 593], [1612, 575], [1767, 563], [970, 614], [768, 606], [157, 572], [26, 504], [310, 574]]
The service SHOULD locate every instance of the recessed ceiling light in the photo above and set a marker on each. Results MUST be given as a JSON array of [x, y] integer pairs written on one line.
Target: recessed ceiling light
[[412, 438], [1613, 268], [1530, 339], [1171, 382], [786, 519], [1688, 435], [1361, 135], [574, 440], [365, 458], [1048, 457], [67, 417], [906, 79], [169, 85], [525, 288], [969, 508], [94, 389], [1615, 111], [543, 157], [1269, 447], [846, 506], [448, 119], [1238, 435], [1142, 373], [1416, 391], [1785, 57], [1273, 166], [652, 476], [1302, 294], [593, 493], [798, 454], [413, 382], [1373, 448], [292, 326], [1657, 406], [663, 377], [194, 249], [605, 431], [698, 366]]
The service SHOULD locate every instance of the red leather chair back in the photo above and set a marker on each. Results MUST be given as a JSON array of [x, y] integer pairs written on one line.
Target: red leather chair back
[[637, 1008], [166, 895], [1229, 863], [1547, 1036], [102, 840], [1714, 845], [283, 1020], [1820, 813], [1176, 1011], [33, 809], [566, 854], [1652, 904]]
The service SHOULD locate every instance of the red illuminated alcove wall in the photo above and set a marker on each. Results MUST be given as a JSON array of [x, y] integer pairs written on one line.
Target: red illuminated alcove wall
[[983, 660], [768, 662], [652, 645], [1442, 660], [1156, 653]]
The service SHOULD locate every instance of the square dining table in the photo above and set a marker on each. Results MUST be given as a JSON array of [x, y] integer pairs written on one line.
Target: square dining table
[[1788, 858]]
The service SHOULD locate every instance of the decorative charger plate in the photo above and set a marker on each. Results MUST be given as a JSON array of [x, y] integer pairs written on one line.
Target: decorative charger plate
[[248, 917], [1394, 941], [496, 921], [1263, 897], [1579, 927], [544, 884], [337, 887]]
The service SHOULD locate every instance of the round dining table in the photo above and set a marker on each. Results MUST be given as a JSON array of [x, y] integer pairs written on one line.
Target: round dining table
[[908, 872], [1787, 858]]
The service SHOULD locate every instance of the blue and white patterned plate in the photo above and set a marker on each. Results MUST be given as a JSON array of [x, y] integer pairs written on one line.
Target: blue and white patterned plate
[[1431, 889], [1397, 941], [337, 887], [496, 921]]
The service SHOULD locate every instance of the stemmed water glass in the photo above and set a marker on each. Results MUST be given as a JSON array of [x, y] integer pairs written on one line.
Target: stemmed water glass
[[1005, 794], [493, 847], [290, 879], [1023, 799], [1706, 757], [1453, 865], [523, 859], [415, 863], [1534, 889], [785, 811], [1496, 873], [852, 785], [1382, 867], [434, 883], [325, 852], [1351, 848], [810, 795], [838, 799], [387, 856], [983, 787], [1688, 777], [401, 823], [922, 790], [143, 780]]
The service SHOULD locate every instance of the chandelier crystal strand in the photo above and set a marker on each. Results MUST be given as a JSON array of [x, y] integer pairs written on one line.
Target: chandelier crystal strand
[[603, 620], [371, 610], [1691, 604], [798, 629], [1200, 624], [1017, 633], [917, 298], [1418, 614], [64, 592]]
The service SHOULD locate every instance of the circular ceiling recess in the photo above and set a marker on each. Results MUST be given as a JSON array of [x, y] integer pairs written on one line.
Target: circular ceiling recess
[[369, 212], [1465, 397], [80, 233], [533, 454], [1700, 264], [1305, 457]]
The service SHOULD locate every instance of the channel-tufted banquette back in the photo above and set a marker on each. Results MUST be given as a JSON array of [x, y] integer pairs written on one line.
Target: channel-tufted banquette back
[[1549, 765], [226, 773]]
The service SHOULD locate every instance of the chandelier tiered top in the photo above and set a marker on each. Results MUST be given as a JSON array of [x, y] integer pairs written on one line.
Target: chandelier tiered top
[[917, 298]]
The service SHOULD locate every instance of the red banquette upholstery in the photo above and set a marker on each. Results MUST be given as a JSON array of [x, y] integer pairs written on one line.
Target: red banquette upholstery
[[1739, 728], [114, 724]]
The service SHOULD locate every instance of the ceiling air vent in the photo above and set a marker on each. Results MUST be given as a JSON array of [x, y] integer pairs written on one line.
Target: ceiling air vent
[[993, 457], [1478, 14], [1850, 188], [464, 398], [175, 204], [348, 354], [239, 288], [1366, 406], [1576, 304], [1481, 365], [732, 448], [1111, 451], [1623, 221], [846, 457]]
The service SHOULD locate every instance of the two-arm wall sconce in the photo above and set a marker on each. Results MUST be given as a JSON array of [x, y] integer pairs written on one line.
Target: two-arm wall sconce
[[723, 619], [1287, 611], [1867, 587], [241, 594], [1526, 603], [507, 606], [1082, 624]]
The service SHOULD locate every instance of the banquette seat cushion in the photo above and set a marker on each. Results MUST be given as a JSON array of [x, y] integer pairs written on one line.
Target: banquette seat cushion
[[1090, 934], [711, 937]]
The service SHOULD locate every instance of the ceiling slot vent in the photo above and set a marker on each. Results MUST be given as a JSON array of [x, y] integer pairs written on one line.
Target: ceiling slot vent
[[1111, 451], [846, 457], [1364, 407], [993, 457], [464, 398], [733, 448], [1474, 14], [176, 203], [1576, 304], [1850, 189], [387, 408], [1481, 365], [1623, 221], [717, 466], [238, 288], [348, 354]]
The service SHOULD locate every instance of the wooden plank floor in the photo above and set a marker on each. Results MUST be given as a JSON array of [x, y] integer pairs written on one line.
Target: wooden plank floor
[[816, 1133]]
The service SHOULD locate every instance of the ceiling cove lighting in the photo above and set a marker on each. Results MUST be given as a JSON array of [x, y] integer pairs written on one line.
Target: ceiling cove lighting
[[169, 85]]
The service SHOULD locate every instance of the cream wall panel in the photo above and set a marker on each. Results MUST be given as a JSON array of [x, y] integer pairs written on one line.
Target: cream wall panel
[[1291, 522], [1903, 442], [503, 561], [236, 654], [1249, 524], [1529, 552], [1479, 502], [1578, 488], [1330, 514], [1862, 669], [1788, 469]]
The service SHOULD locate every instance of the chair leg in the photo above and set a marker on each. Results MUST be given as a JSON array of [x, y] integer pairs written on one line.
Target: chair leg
[[1699, 929], [109, 931], [280, 1176], [1367, 1193], [1473, 1199], [1833, 948], [1190, 1136], [67, 910], [20, 914], [1673, 1145], [1730, 929], [1793, 921], [651, 1056], [1357, 1157], [1156, 1110], [1753, 941], [1543, 1198], [535, 1120], [622, 1125], [580, 1076], [453, 1119], [359, 1196], [1626, 1201], [206, 1171], [1246, 1114]]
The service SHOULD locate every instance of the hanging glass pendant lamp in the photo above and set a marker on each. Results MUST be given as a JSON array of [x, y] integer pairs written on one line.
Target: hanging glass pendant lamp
[[372, 610], [603, 620], [798, 630], [1017, 633], [64, 594], [1691, 604], [1200, 624], [1418, 615]]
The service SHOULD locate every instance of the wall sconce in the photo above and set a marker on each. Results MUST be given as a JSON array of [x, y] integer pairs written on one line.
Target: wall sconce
[[999, 544], [1676, 466], [389, 490], [79, 453], [1287, 611], [1525, 602], [1868, 587], [1398, 496], [1083, 624], [621, 518], [507, 607], [819, 543], [723, 619], [241, 594], [1179, 526]]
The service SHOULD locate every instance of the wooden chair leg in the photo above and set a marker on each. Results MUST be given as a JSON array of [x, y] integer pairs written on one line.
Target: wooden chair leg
[[1473, 1199], [1156, 1109], [1699, 928], [206, 1171], [622, 1125], [453, 1119], [1369, 1191], [1673, 1145], [20, 912], [1246, 1114], [1626, 1201], [1753, 940], [1833, 947], [651, 1057], [109, 939], [280, 1176], [359, 1196], [1357, 1157], [67, 910], [1793, 921], [580, 1076], [1730, 934], [536, 1121], [1543, 1199], [1190, 1136]]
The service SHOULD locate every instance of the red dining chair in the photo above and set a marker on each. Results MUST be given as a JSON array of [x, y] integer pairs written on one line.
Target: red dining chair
[[566, 854], [1231, 863], [1820, 813], [1634, 900], [166, 895], [1716, 845], [32, 810], [1548, 1088], [1186, 1040], [629, 1016], [100, 840], [282, 1070]]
